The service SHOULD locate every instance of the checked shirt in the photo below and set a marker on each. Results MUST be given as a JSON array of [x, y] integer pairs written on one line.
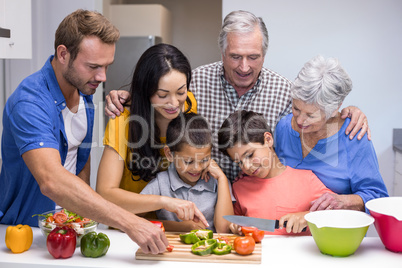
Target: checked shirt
[[217, 99]]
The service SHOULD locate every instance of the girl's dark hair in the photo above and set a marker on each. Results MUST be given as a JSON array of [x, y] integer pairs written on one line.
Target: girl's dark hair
[[144, 134], [242, 127], [191, 129]]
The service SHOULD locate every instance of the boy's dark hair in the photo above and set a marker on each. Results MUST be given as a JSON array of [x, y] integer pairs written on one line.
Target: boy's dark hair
[[242, 127], [188, 128]]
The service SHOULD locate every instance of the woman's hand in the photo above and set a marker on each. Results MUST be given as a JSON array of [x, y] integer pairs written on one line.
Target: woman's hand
[[295, 222], [335, 201], [358, 121], [114, 102]]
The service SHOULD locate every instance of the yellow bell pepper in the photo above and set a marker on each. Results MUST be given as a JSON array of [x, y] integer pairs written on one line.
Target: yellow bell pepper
[[19, 238]]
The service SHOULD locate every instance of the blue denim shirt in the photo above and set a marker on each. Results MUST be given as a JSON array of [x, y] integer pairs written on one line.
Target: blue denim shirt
[[345, 166], [33, 119]]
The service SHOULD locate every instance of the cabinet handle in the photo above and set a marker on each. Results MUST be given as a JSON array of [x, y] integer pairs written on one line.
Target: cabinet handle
[[5, 32]]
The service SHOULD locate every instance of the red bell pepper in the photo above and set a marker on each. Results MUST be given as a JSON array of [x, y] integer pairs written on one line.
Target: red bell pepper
[[170, 248], [159, 224], [61, 242]]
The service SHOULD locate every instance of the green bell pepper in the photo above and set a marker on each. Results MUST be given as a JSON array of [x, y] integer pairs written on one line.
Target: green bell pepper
[[189, 238], [204, 247], [203, 234], [222, 249], [94, 245]]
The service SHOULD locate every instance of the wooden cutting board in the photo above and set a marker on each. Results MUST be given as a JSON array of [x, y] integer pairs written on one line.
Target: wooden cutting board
[[182, 252]]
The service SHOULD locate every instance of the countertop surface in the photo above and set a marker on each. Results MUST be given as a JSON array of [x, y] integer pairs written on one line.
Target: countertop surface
[[277, 251]]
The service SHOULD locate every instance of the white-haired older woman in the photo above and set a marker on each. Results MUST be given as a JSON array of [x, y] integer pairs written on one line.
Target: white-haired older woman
[[313, 137]]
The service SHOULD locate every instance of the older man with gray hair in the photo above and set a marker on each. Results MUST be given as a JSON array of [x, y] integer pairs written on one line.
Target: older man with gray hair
[[239, 81]]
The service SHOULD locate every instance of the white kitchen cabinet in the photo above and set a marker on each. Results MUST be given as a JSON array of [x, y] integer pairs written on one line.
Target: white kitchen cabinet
[[142, 20], [15, 22]]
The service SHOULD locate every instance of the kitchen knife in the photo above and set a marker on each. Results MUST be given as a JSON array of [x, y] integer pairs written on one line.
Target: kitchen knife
[[261, 224]]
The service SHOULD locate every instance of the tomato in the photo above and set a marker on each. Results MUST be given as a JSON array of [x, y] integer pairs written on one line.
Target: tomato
[[247, 230], [244, 245], [79, 221], [257, 234], [50, 219], [170, 248], [222, 239], [60, 217]]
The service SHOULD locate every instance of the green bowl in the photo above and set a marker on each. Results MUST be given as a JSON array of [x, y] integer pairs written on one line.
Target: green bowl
[[338, 232]]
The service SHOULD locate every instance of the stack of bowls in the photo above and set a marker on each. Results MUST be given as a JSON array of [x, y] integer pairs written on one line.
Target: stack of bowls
[[387, 212], [338, 232]]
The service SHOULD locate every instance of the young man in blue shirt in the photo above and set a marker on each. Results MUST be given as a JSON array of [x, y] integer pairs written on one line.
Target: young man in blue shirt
[[47, 135]]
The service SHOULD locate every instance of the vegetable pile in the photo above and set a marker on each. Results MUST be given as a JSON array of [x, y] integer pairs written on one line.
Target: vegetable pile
[[204, 244], [65, 218]]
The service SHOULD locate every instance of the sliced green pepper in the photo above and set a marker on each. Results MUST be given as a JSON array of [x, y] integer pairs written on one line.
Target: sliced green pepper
[[189, 238], [203, 234], [94, 245], [204, 247], [222, 249]]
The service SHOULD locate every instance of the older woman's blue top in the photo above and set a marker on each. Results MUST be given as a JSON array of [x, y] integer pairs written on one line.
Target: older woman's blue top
[[345, 166]]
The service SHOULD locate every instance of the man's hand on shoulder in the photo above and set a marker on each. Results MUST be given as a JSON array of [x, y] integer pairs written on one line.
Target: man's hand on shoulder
[[115, 101], [358, 121]]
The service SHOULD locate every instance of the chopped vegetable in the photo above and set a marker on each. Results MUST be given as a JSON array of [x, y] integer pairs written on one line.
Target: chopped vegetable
[[203, 234], [60, 217], [222, 249], [257, 234], [61, 242], [65, 217], [159, 224], [170, 248], [222, 239], [189, 238], [94, 245], [204, 247], [19, 238]]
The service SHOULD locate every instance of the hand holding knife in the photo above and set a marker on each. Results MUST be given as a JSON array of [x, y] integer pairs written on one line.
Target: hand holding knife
[[261, 224]]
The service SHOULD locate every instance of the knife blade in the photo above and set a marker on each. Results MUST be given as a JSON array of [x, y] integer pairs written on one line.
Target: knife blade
[[261, 224]]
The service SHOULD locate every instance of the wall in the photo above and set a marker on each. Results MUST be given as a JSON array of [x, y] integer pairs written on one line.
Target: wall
[[363, 34], [195, 25]]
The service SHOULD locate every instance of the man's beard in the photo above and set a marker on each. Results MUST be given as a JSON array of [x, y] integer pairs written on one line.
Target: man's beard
[[73, 78]]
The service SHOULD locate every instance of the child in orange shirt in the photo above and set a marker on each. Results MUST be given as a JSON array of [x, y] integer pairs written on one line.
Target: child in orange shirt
[[269, 189]]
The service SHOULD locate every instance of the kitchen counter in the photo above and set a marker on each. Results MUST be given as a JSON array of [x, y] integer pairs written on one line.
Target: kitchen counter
[[277, 251]]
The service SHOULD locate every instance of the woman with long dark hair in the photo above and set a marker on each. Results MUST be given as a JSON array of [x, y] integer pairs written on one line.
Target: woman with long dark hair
[[133, 152]]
